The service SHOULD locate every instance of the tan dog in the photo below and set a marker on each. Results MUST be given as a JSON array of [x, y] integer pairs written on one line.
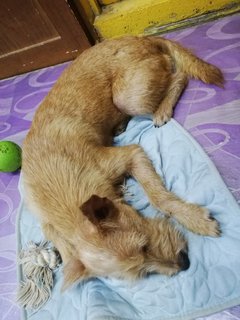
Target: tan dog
[[72, 173]]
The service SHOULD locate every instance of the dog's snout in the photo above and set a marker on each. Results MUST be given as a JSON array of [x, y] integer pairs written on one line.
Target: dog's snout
[[183, 260]]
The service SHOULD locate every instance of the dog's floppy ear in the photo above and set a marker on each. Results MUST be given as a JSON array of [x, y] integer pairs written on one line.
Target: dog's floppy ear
[[99, 210], [73, 271]]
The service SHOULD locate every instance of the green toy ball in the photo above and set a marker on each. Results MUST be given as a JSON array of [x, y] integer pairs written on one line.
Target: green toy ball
[[10, 156]]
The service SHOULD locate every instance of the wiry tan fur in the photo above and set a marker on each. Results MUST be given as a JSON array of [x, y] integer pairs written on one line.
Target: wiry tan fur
[[72, 173]]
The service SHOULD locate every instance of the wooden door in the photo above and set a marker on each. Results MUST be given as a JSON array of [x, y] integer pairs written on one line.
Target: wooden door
[[36, 34]]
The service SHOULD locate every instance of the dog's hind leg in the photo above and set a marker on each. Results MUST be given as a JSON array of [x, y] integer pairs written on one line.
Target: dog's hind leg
[[165, 109], [140, 88], [149, 87], [133, 160]]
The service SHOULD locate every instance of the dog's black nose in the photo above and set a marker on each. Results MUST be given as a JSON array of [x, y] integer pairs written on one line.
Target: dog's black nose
[[183, 260]]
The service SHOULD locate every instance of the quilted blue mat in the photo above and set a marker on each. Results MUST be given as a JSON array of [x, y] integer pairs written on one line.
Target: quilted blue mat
[[212, 282]]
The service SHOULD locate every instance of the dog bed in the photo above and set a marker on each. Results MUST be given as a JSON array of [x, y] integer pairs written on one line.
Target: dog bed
[[211, 284]]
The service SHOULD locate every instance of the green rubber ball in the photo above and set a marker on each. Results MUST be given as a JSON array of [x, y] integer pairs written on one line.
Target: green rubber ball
[[10, 156]]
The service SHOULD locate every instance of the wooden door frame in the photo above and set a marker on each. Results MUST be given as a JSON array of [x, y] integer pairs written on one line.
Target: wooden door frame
[[85, 16]]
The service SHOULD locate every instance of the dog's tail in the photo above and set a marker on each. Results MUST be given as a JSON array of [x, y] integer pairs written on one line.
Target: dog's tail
[[193, 66]]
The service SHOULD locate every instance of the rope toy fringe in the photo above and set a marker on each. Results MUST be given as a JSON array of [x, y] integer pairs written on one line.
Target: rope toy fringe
[[38, 263]]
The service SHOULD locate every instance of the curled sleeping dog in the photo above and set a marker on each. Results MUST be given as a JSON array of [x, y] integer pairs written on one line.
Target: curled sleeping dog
[[72, 173]]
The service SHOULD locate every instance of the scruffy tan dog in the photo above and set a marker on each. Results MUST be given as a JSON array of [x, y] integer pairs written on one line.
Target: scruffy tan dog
[[72, 173]]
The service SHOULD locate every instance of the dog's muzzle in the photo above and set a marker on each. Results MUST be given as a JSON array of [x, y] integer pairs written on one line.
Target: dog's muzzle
[[183, 260]]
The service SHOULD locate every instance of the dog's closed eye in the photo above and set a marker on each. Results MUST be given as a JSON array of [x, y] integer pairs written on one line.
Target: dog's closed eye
[[145, 248]]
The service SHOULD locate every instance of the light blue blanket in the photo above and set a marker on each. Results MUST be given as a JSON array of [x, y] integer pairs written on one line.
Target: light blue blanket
[[212, 282]]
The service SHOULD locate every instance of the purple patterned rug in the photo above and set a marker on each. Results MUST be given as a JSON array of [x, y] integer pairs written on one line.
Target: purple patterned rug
[[212, 116]]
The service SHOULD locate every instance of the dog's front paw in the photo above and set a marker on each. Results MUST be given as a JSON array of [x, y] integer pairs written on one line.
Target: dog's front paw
[[205, 224], [161, 118]]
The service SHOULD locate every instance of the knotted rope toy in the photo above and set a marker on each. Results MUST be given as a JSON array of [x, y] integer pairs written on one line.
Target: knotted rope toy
[[38, 263]]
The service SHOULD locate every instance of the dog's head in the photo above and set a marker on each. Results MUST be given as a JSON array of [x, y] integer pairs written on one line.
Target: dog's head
[[116, 241]]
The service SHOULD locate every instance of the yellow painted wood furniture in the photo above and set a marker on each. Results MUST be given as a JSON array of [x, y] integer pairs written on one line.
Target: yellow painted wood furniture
[[113, 18]]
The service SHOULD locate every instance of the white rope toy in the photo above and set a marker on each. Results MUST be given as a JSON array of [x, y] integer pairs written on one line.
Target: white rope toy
[[38, 263]]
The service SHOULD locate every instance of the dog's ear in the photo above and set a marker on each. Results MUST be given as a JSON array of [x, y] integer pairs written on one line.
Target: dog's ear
[[99, 210], [73, 271]]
